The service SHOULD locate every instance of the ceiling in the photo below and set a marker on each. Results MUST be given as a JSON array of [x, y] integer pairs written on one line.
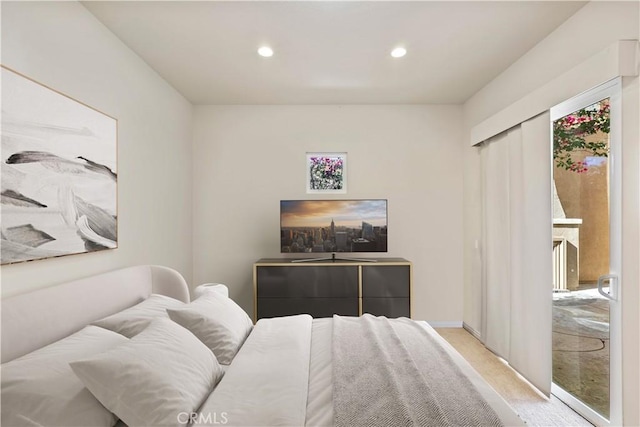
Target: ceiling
[[330, 52]]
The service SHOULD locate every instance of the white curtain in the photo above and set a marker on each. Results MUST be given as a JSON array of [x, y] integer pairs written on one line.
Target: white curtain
[[517, 248]]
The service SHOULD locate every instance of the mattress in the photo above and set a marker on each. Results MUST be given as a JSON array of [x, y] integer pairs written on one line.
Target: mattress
[[320, 393], [283, 376]]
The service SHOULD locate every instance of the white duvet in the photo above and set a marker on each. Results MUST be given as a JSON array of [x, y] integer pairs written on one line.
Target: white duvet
[[282, 376], [267, 383]]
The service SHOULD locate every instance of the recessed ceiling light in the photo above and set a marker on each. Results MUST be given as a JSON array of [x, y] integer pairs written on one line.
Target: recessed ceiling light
[[265, 51], [398, 52]]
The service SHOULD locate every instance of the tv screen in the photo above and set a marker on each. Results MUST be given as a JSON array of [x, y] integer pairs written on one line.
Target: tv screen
[[321, 226]]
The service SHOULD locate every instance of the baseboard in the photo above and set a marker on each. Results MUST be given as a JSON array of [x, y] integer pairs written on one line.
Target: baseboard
[[452, 324], [471, 331]]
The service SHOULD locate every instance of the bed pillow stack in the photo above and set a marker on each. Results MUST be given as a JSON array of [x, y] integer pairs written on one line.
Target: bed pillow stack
[[39, 389], [132, 321], [152, 364], [160, 374], [217, 321]]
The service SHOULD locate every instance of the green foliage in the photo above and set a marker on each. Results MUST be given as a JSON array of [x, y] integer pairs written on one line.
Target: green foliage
[[570, 132]]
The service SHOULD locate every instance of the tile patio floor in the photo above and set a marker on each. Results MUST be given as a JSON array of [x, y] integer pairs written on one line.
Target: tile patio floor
[[581, 346]]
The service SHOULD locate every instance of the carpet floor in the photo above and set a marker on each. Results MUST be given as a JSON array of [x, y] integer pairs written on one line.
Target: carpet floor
[[533, 407]]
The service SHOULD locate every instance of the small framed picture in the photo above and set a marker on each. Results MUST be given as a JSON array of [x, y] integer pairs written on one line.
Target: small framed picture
[[326, 172]]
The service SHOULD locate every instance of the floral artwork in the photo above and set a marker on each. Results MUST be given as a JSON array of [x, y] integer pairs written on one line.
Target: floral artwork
[[326, 173]]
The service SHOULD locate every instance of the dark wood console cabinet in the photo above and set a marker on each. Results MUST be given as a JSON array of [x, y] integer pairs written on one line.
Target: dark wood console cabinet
[[325, 288]]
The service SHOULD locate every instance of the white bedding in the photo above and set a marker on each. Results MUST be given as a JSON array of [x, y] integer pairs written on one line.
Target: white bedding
[[320, 395], [266, 384], [40, 388], [269, 384]]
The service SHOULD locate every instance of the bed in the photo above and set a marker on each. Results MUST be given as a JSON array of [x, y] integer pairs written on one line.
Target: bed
[[128, 347]]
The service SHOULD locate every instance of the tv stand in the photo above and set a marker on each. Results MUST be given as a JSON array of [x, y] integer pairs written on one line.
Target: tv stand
[[285, 286], [333, 258]]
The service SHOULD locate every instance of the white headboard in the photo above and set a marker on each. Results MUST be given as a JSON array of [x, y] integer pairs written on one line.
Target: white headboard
[[35, 319]]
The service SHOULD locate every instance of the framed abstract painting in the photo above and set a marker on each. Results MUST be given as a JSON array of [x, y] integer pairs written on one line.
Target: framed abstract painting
[[59, 173], [326, 172]]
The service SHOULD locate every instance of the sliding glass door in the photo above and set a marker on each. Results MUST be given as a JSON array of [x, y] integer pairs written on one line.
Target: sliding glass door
[[586, 254]]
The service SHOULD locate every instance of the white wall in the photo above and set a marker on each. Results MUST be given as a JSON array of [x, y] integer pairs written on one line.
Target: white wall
[[61, 45], [588, 32], [630, 280], [248, 158]]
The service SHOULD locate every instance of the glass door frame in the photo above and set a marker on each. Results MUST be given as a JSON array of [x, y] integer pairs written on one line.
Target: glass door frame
[[612, 90]]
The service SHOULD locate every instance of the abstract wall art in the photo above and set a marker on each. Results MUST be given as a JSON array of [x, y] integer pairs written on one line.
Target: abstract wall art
[[58, 174], [326, 172]]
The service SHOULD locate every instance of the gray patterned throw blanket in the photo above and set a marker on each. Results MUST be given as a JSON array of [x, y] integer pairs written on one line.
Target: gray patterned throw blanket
[[390, 372]]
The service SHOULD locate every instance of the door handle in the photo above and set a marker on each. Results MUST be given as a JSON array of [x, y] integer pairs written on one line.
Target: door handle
[[613, 286]]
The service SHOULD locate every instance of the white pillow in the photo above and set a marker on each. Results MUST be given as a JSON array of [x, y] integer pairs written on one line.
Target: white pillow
[[217, 321], [154, 379], [40, 388], [132, 321]]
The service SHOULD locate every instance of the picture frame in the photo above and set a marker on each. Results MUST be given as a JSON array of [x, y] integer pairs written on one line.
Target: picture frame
[[59, 173], [326, 172]]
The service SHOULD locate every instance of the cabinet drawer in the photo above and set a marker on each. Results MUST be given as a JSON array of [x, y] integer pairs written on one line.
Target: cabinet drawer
[[316, 307], [386, 281], [307, 281], [389, 307]]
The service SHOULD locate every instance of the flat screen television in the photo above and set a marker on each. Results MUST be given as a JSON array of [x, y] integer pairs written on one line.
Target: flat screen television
[[330, 226]]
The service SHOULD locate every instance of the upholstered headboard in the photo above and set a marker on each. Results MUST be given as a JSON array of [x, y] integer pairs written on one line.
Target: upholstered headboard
[[35, 319]]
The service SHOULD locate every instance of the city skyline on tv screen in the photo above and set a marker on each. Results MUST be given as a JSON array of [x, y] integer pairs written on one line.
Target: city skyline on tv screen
[[308, 226]]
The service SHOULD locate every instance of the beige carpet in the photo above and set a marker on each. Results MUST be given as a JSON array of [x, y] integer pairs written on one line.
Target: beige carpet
[[533, 407]]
